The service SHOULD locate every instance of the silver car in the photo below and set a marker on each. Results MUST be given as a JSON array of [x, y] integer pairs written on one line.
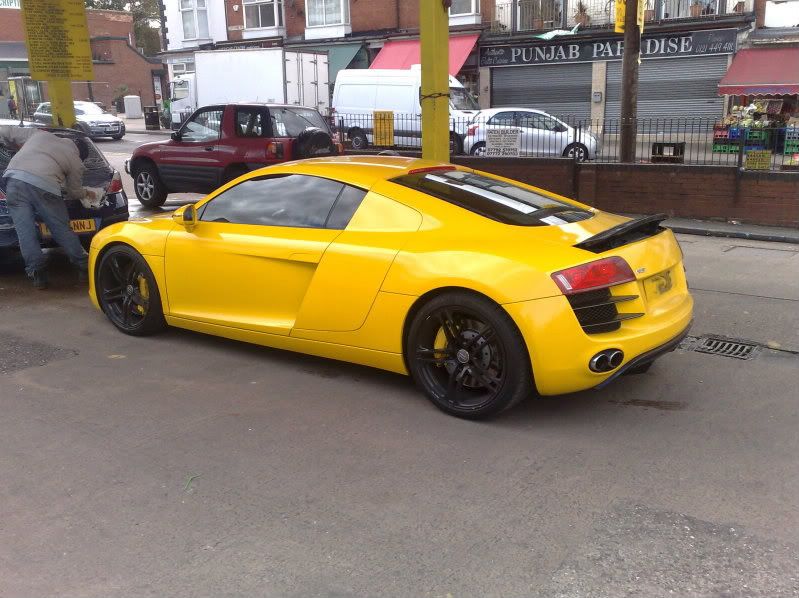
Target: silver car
[[541, 134], [92, 120]]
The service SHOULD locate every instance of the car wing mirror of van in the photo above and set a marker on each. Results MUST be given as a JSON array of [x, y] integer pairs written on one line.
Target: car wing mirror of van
[[176, 136], [185, 216]]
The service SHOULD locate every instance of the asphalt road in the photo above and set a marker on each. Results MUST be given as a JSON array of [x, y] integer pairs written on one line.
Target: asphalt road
[[185, 465]]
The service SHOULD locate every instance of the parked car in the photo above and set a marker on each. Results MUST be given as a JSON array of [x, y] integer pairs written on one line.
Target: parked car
[[359, 92], [220, 143], [92, 120], [84, 221], [483, 289], [541, 134]]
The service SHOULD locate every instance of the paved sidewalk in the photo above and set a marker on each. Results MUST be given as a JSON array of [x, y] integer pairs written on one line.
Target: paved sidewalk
[[753, 232], [136, 125]]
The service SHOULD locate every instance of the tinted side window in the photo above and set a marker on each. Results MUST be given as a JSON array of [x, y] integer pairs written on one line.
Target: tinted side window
[[251, 122], [290, 200], [348, 201]]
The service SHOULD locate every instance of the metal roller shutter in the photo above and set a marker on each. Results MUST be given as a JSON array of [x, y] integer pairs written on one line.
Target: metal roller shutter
[[671, 88], [560, 89]]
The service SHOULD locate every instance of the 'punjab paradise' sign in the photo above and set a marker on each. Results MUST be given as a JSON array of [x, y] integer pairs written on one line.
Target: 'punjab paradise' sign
[[694, 43], [9, 4]]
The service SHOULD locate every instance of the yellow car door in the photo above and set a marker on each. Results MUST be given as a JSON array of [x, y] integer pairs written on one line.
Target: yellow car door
[[253, 253]]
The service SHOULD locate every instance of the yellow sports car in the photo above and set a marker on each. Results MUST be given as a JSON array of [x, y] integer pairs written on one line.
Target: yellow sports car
[[483, 289]]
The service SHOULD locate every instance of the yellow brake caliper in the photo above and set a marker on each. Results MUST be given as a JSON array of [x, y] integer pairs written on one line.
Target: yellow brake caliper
[[144, 291]]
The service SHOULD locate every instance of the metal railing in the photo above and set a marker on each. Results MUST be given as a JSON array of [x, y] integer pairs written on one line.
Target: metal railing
[[697, 141], [514, 16]]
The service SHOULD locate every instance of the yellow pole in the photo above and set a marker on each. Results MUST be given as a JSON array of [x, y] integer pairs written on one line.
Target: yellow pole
[[61, 102], [434, 26]]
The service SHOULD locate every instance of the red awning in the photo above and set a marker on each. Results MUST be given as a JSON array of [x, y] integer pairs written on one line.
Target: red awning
[[762, 72], [401, 54]]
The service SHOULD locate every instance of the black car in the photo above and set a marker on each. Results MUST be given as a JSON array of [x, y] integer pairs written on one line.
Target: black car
[[85, 221]]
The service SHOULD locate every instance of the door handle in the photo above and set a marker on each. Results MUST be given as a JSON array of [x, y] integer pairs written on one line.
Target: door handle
[[209, 148]]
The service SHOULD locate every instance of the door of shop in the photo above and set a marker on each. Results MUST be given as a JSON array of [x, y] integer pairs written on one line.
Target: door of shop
[[563, 90], [672, 88]]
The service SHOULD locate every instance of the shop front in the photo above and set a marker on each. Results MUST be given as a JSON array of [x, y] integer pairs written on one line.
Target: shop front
[[762, 85], [580, 79]]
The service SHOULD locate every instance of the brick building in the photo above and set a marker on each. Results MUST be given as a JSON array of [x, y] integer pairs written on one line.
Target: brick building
[[118, 64]]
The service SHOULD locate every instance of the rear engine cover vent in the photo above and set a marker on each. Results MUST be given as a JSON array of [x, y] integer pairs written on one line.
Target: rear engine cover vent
[[725, 347]]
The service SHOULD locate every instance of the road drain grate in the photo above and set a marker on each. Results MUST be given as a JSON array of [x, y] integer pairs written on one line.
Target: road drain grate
[[725, 347]]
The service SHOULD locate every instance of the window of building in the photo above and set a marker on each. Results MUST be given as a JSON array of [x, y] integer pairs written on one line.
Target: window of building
[[286, 200], [327, 12], [195, 19], [180, 68], [464, 7], [259, 14]]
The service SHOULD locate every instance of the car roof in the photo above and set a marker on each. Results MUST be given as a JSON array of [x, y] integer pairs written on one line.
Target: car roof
[[361, 171], [512, 109]]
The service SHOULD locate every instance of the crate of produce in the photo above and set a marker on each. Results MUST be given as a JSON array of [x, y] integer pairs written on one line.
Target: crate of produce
[[791, 134], [725, 148], [791, 146], [720, 133]]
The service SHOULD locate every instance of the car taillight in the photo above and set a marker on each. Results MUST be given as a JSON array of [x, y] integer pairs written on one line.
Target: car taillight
[[593, 275], [116, 184], [472, 130]]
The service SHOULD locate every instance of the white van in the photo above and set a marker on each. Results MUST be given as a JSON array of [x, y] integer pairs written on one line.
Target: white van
[[359, 92]]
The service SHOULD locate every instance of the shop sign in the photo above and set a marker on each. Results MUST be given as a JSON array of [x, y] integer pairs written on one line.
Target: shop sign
[[503, 143], [9, 4], [694, 43]]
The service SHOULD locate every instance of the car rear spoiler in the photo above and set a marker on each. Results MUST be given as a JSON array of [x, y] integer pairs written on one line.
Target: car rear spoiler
[[624, 233]]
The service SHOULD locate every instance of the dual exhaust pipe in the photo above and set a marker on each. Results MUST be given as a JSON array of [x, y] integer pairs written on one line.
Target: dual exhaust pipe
[[606, 361]]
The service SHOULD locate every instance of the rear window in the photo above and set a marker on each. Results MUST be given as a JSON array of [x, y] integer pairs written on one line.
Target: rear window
[[290, 122], [498, 200]]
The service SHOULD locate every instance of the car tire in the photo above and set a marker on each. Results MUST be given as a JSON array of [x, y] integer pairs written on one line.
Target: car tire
[[149, 189], [465, 352], [455, 144], [478, 149], [127, 292], [358, 139], [577, 151]]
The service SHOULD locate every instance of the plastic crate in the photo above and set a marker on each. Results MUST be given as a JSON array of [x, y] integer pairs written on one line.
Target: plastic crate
[[792, 134], [792, 147], [756, 135], [736, 132], [721, 134], [725, 148]]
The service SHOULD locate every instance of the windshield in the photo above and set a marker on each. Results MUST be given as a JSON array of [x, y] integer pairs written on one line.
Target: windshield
[[498, 200], [89, 108], [180, 90], [462, 99], [290, 122]]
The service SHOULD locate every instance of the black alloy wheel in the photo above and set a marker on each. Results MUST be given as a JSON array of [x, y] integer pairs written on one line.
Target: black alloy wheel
[[467, 355], [576, 151], [127, 292]]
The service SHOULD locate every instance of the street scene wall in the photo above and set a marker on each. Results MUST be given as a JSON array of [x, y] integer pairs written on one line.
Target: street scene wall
[[703, 192]]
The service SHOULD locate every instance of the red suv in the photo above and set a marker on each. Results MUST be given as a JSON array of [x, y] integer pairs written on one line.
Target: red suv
[[219, 143]]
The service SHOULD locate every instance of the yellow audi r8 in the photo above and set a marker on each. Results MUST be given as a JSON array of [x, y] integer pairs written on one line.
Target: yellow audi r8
[[483, 289]]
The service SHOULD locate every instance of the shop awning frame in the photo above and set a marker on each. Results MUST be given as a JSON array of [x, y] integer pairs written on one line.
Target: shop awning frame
[[762, 72], [402, 53]]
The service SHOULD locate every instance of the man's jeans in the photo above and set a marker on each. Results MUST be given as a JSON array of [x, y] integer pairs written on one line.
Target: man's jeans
[[26, 201]]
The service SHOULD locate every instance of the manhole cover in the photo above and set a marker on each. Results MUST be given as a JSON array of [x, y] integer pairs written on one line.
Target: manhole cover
[[725, 347]]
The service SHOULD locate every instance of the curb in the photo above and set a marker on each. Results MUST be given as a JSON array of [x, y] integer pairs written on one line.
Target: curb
[[146, 132], [752, 236]]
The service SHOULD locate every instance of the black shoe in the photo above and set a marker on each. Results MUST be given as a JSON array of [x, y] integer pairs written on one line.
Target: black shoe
[[83, 275], [39, 278]]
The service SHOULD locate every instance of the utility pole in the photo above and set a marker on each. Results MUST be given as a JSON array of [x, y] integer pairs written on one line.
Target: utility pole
[[629, 80], [434, 34]]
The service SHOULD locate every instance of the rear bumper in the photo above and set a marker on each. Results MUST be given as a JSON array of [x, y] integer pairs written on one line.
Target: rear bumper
[[560, 350]]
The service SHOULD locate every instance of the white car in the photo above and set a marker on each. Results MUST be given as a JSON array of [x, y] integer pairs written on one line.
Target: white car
[[541, 134]]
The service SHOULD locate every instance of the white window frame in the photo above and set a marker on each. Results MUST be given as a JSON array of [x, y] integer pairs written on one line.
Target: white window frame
[[277, 8], [343, 14], [475, 10], [194, 9]]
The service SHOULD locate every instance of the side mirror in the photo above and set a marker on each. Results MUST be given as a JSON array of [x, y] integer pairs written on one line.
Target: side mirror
[[186, 216], [175, 136]]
